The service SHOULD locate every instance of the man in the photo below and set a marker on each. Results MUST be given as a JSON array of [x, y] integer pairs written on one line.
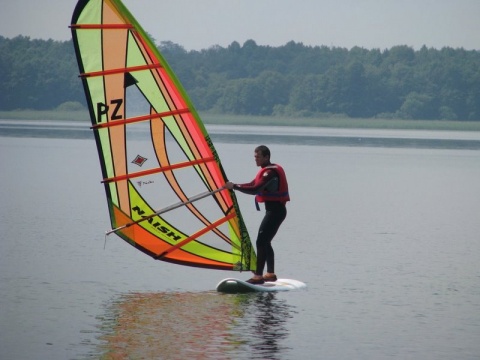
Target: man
[[270, 187]]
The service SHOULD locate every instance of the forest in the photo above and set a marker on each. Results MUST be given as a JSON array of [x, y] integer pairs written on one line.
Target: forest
[[251, 79]]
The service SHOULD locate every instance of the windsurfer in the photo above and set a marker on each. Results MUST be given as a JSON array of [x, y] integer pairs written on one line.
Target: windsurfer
[[270, 187]]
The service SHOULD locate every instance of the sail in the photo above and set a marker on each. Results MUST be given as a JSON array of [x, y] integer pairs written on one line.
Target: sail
[[162, 175]]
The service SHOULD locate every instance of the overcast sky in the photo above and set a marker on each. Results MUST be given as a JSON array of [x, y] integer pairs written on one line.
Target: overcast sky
[[199, 24]]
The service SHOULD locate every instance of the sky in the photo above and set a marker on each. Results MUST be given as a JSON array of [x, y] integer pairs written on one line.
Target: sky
[[200, 24]]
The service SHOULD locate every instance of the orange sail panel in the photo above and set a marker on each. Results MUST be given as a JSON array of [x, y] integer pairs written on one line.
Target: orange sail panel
[[153, 147]]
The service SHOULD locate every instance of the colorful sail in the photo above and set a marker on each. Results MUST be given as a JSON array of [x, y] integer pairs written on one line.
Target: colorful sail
[[162, 175]]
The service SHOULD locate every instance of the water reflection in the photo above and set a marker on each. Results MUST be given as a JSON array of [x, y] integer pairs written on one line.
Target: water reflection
[[265, 320], [204, 325], [352, 141], [466, 140]]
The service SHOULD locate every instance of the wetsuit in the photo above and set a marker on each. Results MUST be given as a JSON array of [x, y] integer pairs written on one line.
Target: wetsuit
[[269, 186]]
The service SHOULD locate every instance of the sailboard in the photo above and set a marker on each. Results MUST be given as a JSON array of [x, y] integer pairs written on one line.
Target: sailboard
[[163, 178], [235, 286]]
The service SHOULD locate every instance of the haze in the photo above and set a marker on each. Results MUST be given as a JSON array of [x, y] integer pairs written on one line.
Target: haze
[[200, 24]]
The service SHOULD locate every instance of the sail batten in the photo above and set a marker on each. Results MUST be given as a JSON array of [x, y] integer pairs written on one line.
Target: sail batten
[[121, 70], [196, 235], [101, 26], [158, 170], [141, 118], [154, 150]]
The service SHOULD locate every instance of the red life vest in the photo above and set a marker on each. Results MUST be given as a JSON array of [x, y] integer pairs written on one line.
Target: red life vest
[[281, 194]]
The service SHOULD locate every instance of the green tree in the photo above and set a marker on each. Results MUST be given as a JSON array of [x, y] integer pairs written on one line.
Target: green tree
[[416, 106], [261, 80]]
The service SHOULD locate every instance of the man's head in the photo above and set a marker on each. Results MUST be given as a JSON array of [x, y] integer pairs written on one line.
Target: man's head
[[262, 155]]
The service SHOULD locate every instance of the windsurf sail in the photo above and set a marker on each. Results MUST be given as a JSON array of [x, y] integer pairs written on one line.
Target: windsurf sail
[[162, 175]]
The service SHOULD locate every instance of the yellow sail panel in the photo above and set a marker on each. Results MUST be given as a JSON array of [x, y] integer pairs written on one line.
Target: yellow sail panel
[[153, 148]]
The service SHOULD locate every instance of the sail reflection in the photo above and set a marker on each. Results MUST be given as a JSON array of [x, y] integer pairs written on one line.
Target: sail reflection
[[203, 325]]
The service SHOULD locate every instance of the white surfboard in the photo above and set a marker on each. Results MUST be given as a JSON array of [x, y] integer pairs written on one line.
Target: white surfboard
[[235, 286]]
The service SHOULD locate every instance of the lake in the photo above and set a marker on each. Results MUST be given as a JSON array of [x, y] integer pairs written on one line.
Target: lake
[[383, 227]]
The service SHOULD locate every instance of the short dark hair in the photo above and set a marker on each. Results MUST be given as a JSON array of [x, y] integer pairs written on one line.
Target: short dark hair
[[265, 151]]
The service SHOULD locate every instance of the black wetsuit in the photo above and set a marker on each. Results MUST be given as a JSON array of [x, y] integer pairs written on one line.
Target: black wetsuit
[[275, 213]]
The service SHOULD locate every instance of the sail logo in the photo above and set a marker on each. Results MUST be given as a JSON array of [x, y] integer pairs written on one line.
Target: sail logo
[[139, 160], [158, 225], [104, 109], [140, 183]]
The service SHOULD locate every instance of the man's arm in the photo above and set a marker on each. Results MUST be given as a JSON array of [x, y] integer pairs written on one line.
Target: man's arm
[[253, 187]]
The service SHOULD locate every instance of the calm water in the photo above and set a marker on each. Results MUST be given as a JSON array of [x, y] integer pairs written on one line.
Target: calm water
[[383, 227]]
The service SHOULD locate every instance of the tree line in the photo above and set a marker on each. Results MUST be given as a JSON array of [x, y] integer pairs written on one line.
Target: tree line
[[250, 79]]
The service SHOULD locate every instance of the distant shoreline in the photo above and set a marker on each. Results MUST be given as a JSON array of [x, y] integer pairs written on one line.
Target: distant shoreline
[[339, 122]]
